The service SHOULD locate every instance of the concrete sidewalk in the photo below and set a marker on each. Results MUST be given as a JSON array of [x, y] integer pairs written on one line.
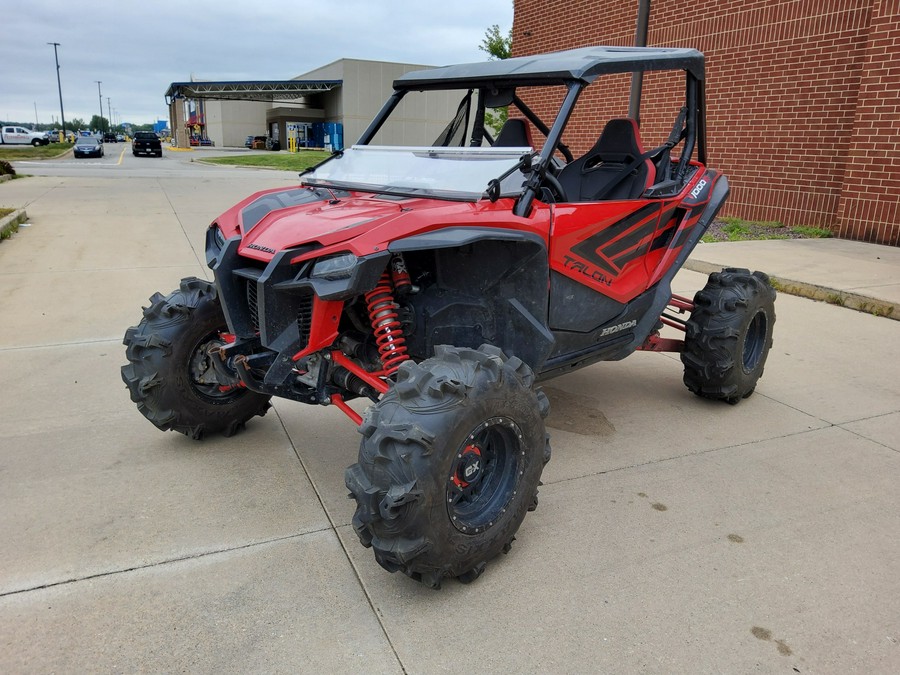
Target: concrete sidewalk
[[853, 274], [673, 535]]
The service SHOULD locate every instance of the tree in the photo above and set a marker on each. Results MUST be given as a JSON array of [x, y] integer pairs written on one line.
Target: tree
[[498, 47], [99, 123]]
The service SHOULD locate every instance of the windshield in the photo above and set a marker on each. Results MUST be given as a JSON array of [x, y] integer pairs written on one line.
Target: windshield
[[447, 173]]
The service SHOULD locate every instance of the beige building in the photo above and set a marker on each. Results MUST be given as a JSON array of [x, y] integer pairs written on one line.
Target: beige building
[[347, 92]]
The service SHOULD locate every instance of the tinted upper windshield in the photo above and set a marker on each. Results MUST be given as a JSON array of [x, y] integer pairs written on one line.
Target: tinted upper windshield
[[450, 173]]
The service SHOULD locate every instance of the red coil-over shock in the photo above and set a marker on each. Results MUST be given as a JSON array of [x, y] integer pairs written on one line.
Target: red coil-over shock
[[383, 315]]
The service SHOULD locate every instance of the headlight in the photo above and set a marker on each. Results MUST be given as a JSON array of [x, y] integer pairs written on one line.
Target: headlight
[[219, 236], [337, 267]]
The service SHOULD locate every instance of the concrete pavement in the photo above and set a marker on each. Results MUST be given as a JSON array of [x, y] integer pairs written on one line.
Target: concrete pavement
[[854, 274], [673, 534]]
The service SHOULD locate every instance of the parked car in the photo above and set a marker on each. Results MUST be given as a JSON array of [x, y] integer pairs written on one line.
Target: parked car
[[12, 135], [88, 146], [146, 143], [249, 142], [259, 143]]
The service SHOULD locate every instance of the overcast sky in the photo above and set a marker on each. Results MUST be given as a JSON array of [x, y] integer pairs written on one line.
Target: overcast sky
[[137, 49]]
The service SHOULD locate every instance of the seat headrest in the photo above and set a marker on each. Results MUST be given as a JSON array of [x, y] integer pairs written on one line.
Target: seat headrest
[[619, 142], [514, 134]]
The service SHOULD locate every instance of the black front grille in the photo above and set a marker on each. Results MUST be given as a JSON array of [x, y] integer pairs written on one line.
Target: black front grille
[[252, 304], [304, 318]]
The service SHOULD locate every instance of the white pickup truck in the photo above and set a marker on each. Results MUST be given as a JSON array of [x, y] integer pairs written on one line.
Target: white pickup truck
[[21, 136]]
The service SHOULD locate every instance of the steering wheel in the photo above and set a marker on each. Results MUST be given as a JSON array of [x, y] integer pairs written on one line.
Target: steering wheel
[[556, 189]]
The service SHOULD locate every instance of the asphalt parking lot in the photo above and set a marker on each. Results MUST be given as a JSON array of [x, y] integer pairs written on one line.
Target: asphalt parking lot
[[673, 534]]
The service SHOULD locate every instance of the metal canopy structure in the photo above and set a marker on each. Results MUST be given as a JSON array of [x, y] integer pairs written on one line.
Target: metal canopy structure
[[586, 64], [266, 91]]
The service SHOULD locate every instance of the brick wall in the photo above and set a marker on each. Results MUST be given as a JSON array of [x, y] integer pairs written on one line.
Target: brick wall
[[803, 98], [870, 200]]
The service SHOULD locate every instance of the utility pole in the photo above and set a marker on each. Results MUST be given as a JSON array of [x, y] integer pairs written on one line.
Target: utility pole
[[637, 79], [58, 84], [100, 96], [36, 123]]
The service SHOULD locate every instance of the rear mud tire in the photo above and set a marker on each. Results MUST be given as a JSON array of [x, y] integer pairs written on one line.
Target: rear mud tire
[[449, 464], [161, 349], [729, 335]]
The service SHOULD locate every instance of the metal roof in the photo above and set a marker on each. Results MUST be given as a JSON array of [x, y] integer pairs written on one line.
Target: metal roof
[[258, 90], [586, 64]]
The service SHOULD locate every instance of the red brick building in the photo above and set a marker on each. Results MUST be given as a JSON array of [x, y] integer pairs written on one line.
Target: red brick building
[[803, 98]]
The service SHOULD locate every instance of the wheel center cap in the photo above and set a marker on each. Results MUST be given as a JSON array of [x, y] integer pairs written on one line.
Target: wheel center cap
[[470, 466]]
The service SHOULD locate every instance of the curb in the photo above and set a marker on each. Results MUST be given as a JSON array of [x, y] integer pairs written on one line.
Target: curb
[[5, 177], [10, 224], [833, 296]]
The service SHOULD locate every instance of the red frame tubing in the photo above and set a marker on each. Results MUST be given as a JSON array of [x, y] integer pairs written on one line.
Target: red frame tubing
[[338, 400], [341, 359], [681, 303], [370, 379], [655, 343]]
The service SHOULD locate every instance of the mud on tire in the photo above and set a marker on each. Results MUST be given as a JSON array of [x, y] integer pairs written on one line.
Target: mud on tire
[[167, 376], [449, 464], [729, 335]]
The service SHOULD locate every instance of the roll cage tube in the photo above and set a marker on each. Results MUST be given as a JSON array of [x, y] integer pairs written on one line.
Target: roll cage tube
[[701, 120], [690, 138], [478, 127], [522, 207], [376, 124], [539, 124]]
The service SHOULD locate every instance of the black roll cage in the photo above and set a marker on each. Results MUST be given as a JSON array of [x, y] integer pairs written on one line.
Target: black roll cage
[[574, 69]]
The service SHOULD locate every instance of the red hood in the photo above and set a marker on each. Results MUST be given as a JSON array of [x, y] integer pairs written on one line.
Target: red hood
[[359, 223], [324, 222]]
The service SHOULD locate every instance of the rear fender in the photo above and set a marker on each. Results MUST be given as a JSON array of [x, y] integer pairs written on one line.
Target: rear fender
[[700, 206]]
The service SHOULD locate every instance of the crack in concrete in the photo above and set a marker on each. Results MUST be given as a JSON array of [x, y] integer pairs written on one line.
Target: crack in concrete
[[161, 563], [340, 541], [699, 453]]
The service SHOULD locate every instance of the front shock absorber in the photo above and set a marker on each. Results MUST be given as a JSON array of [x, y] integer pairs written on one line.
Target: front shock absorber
[[385, 323]]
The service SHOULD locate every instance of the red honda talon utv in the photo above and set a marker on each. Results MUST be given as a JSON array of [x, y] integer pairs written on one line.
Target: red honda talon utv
[[440, 282]]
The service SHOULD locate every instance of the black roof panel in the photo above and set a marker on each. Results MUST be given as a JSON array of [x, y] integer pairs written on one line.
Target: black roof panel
[[586, 64]]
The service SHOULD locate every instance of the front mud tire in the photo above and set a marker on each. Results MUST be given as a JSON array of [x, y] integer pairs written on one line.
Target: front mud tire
[[166, 356], [729, 335], [449, 464]]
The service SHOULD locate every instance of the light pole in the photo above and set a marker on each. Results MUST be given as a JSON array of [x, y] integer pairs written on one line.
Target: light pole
[[100, 96], [109, 111], [58, 84]]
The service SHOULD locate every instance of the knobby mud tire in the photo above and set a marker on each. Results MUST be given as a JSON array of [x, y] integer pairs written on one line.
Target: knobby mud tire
[[160, 349], [729, 335], [413, 457]]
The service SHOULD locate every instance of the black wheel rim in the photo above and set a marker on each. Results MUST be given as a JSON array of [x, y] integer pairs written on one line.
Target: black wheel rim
[[755, 341], [203, 376], [485, 474]]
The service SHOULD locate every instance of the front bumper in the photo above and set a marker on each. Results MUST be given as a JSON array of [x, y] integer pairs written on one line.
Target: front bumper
[[277, 311]]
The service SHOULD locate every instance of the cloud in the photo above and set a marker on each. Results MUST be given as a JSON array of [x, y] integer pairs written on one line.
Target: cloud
[[137, 50]]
